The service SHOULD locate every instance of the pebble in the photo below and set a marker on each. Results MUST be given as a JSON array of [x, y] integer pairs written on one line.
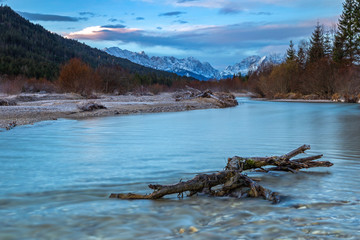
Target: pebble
[[193, 229]]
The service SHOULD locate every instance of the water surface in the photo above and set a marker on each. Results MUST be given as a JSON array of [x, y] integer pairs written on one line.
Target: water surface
[[56, 176]]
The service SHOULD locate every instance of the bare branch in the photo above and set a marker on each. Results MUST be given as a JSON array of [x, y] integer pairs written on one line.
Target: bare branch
[[234, 183]]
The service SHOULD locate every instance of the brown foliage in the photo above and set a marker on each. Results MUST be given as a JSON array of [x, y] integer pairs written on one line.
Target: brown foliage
[[156, 88], [254, 79], [39, 85], [77, 76], [18, 84], [347, 82], [114, 79], [282, 80], [319, 78], [12, 86]]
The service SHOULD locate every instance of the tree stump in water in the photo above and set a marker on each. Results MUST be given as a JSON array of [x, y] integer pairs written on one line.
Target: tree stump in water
[[232, 181]]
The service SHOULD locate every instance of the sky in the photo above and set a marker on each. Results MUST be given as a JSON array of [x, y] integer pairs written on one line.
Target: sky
[[221, 32]]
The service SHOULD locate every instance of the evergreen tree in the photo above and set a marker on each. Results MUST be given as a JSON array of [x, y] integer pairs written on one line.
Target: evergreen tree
[[317, 47], [291, 52], [346, 45], [302, 53], [338, 50], [357, 29], [327, 45]]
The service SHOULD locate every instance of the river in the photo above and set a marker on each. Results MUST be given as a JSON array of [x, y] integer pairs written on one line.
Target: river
[[56, 176]]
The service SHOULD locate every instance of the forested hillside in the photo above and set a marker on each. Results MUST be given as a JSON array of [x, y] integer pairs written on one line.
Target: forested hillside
[[30, 50]]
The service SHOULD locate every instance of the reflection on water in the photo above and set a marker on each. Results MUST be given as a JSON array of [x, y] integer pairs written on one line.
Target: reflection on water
[[55, 177]]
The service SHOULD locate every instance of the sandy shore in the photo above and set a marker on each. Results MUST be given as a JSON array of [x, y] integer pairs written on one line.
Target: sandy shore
[[31, 108]]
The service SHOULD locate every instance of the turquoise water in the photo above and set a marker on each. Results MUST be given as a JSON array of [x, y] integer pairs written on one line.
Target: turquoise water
[[56, 176]]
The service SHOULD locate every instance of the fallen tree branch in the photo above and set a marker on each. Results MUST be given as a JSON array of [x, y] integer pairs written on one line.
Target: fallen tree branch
[[91, 106], [281, 162], [234, 183], [223, 100]]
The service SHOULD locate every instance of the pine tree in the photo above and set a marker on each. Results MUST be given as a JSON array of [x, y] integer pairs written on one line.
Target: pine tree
[[357, 29], [291, 52], [346, 45], [317, 48], [327, 44], [302, 53], [338, 49]]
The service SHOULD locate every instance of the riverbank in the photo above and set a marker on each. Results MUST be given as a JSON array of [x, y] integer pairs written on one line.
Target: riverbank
[[296, 100], [254, 97], [26, 109]]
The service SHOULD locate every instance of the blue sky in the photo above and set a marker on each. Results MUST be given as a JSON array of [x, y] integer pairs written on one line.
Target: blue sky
[[221, 32]]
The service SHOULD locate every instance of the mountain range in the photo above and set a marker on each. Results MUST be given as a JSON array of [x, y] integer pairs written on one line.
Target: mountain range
[[192, 67]]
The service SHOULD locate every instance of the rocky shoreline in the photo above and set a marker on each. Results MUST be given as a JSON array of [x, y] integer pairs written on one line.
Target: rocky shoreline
[[26, 109]]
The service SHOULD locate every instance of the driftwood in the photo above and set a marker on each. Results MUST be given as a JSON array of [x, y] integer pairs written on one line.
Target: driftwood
[[11, 125], [231, 181], [223, 100], [91, 106], [7, 102]]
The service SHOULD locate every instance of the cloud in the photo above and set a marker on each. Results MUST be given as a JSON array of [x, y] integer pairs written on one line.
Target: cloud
[[139, 18], [89, 14], [99, 33], [180, 21], [115, 20], [262, 13], [202, 37], [200, 3], [254, 4], [185, 1], [114, 26], [228, 10], [170, 14], [231, 8], [48, 17], [271, 49]]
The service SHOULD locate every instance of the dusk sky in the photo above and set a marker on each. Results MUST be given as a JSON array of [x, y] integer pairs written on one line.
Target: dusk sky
[[221, 32]]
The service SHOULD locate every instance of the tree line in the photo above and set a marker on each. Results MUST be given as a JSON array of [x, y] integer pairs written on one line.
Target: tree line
[[325, 66]]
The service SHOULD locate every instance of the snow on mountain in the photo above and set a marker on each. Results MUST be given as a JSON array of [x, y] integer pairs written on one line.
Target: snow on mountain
[[251, 64], [248, 64], [192, 67]]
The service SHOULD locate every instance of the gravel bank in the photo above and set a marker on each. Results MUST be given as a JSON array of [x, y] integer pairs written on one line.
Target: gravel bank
[[31, 108]]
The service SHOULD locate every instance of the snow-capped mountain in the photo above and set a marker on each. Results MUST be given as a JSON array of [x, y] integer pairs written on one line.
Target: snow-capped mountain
[[192, 67], [251, 64], [248, 64]]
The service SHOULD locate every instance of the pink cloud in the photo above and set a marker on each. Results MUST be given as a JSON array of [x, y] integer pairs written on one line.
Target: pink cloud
[[98, 32]]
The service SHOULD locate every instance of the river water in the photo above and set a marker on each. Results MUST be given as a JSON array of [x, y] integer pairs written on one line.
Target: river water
[[56, 176]]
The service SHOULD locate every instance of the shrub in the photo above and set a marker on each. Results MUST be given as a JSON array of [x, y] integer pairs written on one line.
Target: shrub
[[76, 76], [38, 85], [114, 79], [156, 88], [12, 86]]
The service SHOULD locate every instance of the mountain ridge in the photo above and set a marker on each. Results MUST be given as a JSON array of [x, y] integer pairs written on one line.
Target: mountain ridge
[[192, 67], [183, 67]]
